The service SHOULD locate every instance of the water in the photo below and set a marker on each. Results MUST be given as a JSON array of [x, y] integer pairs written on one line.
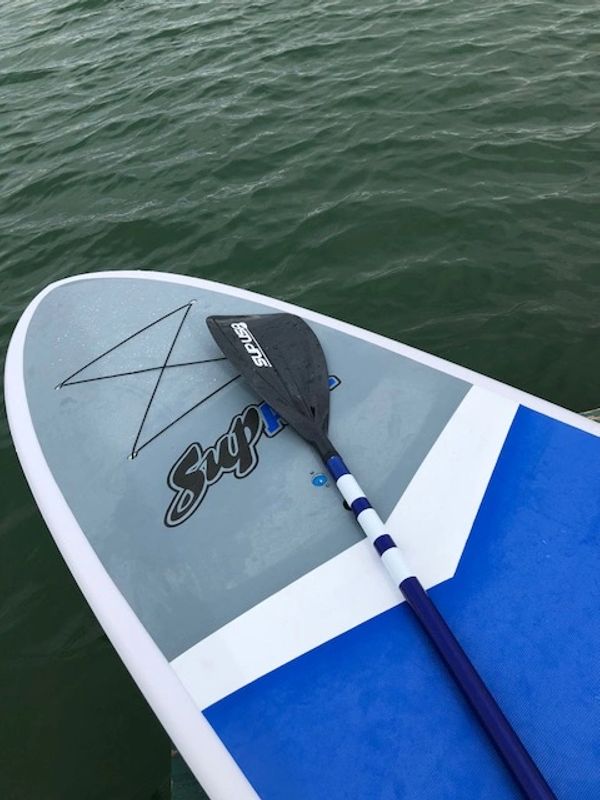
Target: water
[[428, 170]]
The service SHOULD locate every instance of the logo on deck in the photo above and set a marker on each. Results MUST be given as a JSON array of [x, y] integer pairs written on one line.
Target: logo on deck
[[235, 452]]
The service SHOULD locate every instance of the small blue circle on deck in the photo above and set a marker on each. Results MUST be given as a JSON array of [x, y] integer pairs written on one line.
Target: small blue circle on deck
[[319, 480]]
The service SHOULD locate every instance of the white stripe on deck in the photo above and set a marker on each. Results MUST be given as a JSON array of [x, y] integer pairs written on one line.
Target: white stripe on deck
[[430, 523]]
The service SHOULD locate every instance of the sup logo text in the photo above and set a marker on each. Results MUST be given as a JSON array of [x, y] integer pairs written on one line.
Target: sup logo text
[[252, 347], [235, 452]]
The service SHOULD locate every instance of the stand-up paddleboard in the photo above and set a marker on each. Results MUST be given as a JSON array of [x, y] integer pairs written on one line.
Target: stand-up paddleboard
[[239, 591]]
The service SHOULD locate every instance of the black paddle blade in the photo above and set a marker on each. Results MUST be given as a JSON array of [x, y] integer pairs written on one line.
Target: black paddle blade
[[282, 360]]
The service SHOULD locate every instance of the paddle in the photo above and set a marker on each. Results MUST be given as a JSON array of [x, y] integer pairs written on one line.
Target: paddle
[[282, 360]]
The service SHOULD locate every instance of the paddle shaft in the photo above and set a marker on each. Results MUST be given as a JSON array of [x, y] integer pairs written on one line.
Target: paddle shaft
[[281, 358], [521, 765]]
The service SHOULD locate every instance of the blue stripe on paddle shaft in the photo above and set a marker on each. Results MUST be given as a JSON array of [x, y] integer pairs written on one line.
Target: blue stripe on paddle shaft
[[373, 714], [336, 467], [383, 543], [360, 505]]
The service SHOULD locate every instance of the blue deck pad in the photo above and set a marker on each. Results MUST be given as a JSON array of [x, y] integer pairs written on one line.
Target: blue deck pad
[[372, 714]]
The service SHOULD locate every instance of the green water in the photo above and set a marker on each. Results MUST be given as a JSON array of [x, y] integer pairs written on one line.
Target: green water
[[428, 170]]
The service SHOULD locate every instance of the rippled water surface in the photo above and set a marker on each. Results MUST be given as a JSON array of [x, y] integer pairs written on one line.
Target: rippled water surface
[[429, 170]]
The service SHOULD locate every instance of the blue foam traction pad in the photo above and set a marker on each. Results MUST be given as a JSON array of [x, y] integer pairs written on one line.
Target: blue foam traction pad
[[373, 714]]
